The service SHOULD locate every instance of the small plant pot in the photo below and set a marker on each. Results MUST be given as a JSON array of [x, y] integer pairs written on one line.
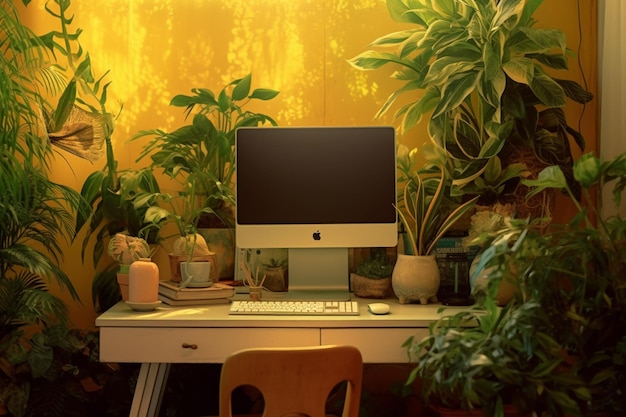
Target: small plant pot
[[122, 281], [175, 261], [366, 287]]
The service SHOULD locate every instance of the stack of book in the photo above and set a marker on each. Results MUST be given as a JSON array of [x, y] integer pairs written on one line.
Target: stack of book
[[170, 293]]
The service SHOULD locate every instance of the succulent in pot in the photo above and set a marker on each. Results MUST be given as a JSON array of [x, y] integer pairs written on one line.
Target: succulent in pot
[[127, 249], [372, 276]]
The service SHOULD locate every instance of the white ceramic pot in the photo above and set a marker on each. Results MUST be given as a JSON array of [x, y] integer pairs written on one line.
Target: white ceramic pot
[[415, 278]]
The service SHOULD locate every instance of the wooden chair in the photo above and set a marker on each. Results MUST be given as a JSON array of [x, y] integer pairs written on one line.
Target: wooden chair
[[294, 381]]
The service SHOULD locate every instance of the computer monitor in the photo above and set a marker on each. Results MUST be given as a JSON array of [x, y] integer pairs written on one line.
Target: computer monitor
[[316, 191]]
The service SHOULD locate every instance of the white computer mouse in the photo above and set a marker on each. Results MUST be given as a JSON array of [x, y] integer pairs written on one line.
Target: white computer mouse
[[378, 308]]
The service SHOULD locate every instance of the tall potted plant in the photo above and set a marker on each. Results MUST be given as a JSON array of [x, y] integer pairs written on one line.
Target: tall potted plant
[[480, 65], [426, 213], [577, 274], [204, 151], [181, 210], [36, 213]]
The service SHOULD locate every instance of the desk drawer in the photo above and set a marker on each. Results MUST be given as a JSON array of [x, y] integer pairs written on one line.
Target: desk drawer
[[377, 345], [213, 345]]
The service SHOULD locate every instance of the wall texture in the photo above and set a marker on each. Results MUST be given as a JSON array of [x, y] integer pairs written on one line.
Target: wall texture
[[156, 49]]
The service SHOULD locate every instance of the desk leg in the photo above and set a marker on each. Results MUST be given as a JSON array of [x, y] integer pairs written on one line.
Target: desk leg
[[149, 389]]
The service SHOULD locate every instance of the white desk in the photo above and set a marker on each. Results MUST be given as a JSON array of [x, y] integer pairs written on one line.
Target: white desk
[[207, 334]]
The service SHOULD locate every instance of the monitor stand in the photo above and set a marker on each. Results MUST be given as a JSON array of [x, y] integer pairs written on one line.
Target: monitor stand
[[318, 274]]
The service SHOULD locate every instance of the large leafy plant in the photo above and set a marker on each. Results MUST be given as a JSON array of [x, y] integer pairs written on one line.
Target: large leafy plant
[[480, 65], [577, 274], [489, 359], [37, 214], [200, 156]]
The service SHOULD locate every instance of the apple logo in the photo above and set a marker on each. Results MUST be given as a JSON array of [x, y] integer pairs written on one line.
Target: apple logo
[[317, 235]]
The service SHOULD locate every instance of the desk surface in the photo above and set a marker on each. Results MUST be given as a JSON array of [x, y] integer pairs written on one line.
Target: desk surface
[[216, 315], [164, 335], [208, 334]]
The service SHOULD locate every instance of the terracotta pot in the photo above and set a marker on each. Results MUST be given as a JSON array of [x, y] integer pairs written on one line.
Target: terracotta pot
[[122, 282], [415, 278]]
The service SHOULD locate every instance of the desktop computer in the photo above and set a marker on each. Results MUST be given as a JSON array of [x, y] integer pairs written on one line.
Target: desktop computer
[[316, 192]]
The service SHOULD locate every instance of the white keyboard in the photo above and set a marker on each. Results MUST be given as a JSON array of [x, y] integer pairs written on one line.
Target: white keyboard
[[295, 308]]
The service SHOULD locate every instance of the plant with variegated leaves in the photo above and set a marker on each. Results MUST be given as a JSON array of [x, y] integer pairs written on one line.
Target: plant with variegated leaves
[[480, 67], [426, 210]]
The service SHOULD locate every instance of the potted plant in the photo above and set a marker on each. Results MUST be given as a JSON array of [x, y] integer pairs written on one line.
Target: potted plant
[[480, 66], [426, 213], [577, 273], [111, 194], [372, 276], [204, 150], [37, 213], [277, 278], [125, 249], [491, 361], [182, 210]]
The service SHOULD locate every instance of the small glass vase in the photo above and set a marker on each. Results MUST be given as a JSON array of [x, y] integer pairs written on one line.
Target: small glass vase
[[256, 293]]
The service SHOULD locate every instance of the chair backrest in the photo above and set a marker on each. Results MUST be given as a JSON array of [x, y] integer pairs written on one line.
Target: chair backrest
[[294, 381]]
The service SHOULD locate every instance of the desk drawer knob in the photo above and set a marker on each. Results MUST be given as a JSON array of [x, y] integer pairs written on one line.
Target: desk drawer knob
[[190, 346]]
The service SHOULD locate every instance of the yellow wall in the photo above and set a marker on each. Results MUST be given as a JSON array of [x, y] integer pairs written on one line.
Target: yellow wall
[[156, 49]]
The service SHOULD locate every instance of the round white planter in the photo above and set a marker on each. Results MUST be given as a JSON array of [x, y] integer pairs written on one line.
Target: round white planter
[[415, 278]]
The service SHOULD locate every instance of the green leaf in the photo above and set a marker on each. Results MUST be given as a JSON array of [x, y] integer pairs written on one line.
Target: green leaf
[[223, 101], [64, 106], [492, 60], [529, 40], [242, 88], [506, 10], [493, 170], [520, 69], [395, 37], [83, 70], [574, 91], [443, 68], [400, 12], [547, 90], [557, 61], [263, 94], [549, 177], [181, 100], [456, 92], [492, 147], [370, 60], [40, 357]]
